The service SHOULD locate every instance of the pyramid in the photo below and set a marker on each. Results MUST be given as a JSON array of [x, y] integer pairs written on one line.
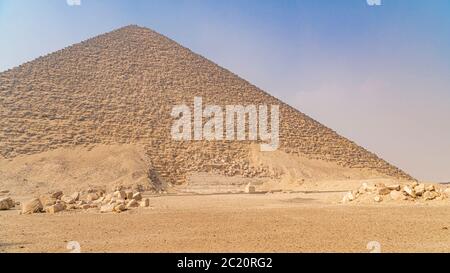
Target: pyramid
[[120, 87]]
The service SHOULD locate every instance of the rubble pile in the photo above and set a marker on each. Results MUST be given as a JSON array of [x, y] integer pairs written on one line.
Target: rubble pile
[[413, 191], [91, 200]]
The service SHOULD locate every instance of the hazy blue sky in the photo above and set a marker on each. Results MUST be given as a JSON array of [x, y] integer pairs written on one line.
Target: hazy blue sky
[[379, 75]]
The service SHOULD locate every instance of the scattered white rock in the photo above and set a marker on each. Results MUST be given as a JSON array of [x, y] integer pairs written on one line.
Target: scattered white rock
[[137, 196], [107, 208], [121, 201], [430, 195], [85, 206], [394, 187], [7, 203], [56, 194], [120, 194], [92, 197], [447, 192], [145, 203], [397, 195], [108, 197], [55, 208], [132, 204], [68, 199], [383, 190], [363, 188], [32, 206], [348, 197], [352, 196], [419, 189], [441, 197], [91, 200], [129, 194], [47, 200], [120, 207], [80, 203], [409, 191], [75, 196], [250, 188], [100, 200]]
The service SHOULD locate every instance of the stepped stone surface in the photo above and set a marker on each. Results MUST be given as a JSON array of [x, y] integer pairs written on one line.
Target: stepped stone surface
[[120, 87]]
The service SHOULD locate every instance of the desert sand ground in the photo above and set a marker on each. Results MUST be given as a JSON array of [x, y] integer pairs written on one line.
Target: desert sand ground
[[277, 222], [97, 115], [308, 217]]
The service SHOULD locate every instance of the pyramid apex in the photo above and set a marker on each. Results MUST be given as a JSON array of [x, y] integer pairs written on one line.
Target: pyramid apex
[[132, 26]]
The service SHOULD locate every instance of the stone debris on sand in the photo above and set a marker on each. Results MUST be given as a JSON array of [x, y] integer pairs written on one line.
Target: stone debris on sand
[[412, 191], [145, 202], [378, 198], [397, 195], [32, 206], [137, 196], [47, 200], [383, 190], [68, 199], [120, 207], [132, 204], [129, 195], [56, 194], [55, 208], [419, 189], [6, 203], [92, 197], [395, 187], [409, 190], [107, 208], [447, 192], [91, 200], [250, 188], [120, 194]]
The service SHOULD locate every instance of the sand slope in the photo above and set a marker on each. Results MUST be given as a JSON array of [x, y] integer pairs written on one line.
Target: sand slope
[[77, 168], [108, 166]]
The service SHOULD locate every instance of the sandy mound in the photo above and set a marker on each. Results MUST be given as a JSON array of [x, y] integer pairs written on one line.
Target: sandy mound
[[296, 170], [108, 166], [397, 193], [281, 171], [75, 169]]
